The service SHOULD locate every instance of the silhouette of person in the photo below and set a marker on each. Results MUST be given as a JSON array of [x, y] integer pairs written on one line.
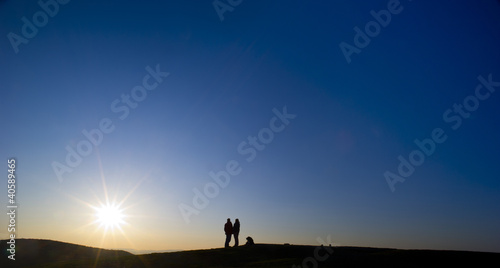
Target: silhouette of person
[[228, 228], [249, 241], [236, 232]]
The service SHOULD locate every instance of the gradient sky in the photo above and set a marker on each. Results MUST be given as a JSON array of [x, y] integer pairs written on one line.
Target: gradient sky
[[323, 175]]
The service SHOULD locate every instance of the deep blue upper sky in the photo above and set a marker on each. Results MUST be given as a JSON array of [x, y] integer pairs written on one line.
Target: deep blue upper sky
[[322, 175]]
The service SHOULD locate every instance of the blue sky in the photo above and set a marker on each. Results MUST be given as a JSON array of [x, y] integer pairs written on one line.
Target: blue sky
[[322, 175]]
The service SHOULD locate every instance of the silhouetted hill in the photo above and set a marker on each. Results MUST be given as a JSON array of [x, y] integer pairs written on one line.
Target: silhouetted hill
[[268, 255], [46, 253]]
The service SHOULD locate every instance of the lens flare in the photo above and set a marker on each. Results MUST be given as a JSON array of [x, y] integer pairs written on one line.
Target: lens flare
[[109, 216]]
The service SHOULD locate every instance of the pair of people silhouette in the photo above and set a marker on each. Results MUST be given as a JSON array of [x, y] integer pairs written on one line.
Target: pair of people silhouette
[[231, 230]]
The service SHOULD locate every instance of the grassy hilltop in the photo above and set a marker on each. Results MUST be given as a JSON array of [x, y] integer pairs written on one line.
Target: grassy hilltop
[[47, 253]]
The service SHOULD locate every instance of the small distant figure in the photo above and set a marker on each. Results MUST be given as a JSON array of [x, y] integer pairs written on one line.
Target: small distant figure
[[249, 241], [228, 229], [236, 232]]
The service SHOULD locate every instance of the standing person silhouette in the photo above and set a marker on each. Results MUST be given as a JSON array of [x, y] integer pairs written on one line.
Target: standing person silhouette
[[236, 232], [228, 228]]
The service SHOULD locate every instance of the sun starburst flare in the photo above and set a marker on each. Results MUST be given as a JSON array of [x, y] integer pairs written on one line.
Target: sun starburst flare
[[109, 216]]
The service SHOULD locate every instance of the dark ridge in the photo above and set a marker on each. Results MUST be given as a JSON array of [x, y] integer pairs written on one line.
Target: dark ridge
[[40, 252], [47, 253]]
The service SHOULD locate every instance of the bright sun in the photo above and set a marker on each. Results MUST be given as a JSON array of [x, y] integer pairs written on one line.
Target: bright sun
[[109, 216]]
